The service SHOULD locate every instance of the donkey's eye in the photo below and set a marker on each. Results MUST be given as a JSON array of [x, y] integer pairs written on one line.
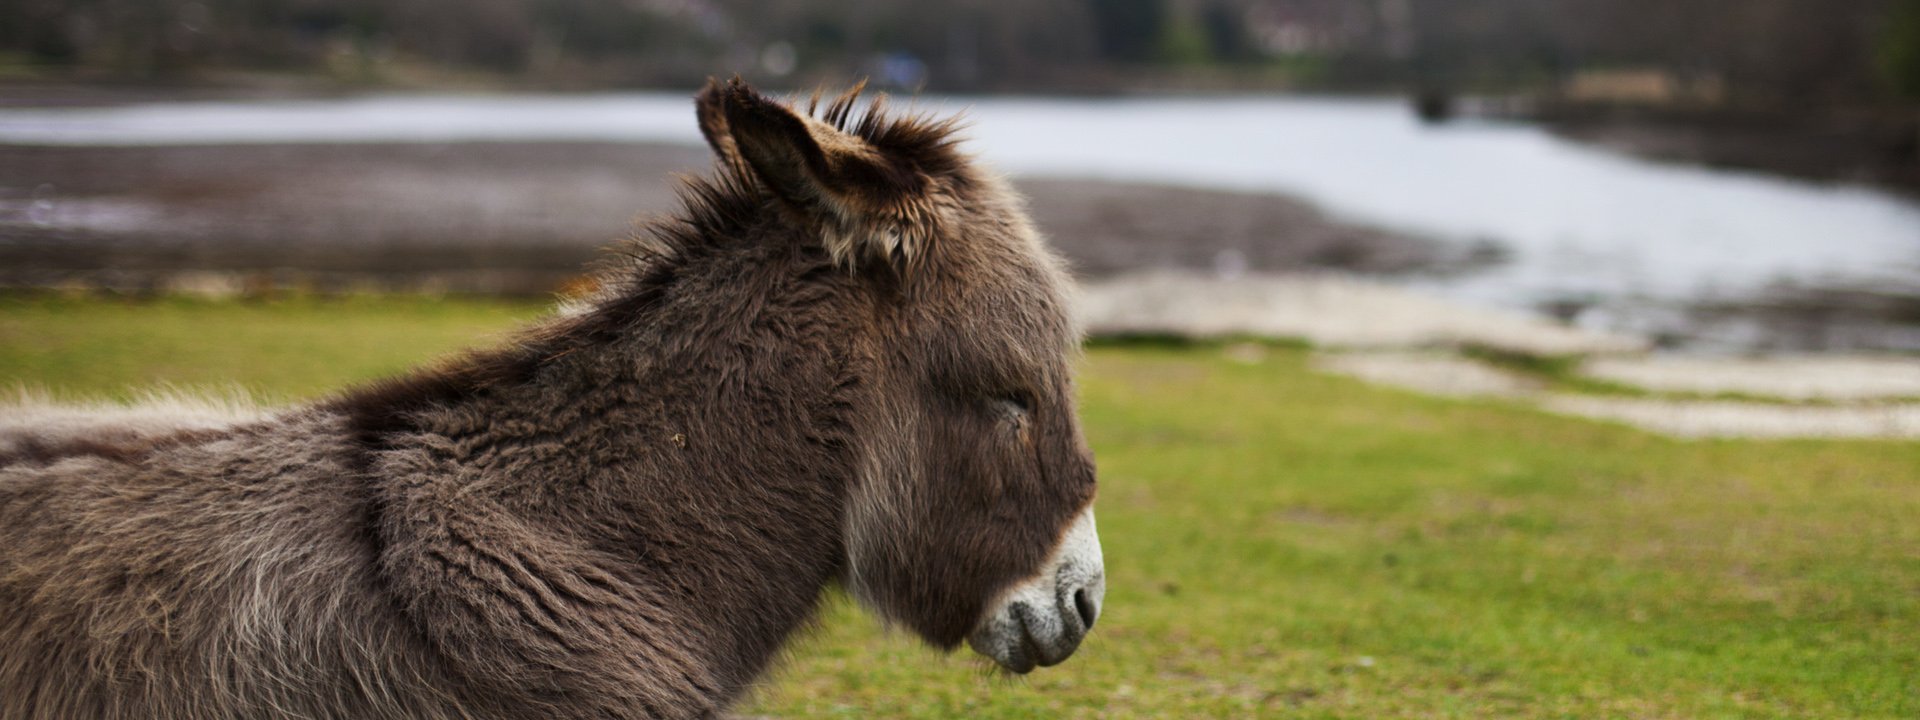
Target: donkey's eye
[[1016, 404]]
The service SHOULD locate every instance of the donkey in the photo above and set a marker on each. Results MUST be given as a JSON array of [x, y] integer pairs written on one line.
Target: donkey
[[845, 361]]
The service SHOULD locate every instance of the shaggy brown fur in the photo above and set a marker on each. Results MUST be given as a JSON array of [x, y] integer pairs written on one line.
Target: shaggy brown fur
[[848, 360]]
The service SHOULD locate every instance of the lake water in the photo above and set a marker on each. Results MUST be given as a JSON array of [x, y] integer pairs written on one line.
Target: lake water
[[1576, 222]]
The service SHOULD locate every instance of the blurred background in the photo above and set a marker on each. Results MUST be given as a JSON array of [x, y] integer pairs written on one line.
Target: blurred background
[[1718, 174], [1449, 358], [1734, 174]]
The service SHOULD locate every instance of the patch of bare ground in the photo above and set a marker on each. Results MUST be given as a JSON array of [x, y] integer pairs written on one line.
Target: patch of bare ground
[[1826, 378], [1326, 310], [1880, 405], [1728, 419], [1429, 372]]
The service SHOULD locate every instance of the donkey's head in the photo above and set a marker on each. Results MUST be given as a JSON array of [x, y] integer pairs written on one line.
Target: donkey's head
[[971, 517]]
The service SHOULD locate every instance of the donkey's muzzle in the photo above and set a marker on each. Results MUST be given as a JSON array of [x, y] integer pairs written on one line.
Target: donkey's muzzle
[[1041, 621]]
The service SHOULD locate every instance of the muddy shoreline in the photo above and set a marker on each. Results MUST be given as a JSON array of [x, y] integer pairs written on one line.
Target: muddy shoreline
[[522, 217]]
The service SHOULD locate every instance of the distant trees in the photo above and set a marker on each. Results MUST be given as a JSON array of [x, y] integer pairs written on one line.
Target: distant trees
[[1765, 52], [160, 37], [1899, 49], [1768, 52], [1129, 30]]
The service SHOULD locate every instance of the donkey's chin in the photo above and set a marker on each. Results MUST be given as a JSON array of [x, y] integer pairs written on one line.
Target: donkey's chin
[[1041, 621]]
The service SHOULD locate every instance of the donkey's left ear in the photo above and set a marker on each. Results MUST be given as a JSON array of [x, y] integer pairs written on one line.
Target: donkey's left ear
[[713, 125], [868, 203]]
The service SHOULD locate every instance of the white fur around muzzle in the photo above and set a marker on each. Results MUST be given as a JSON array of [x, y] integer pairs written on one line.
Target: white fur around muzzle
[[1039, 621]]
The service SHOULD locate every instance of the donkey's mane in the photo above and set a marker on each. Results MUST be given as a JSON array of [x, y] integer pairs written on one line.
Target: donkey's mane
[[636, 273], [925, 142]]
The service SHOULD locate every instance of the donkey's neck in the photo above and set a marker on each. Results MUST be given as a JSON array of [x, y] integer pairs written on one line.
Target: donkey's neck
[[686, 443]]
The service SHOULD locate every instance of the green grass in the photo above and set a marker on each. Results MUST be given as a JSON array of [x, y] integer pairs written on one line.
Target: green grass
[[278, 350], [1283, 543]]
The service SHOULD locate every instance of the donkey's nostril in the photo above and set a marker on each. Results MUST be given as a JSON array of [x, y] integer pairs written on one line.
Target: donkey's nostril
[[1083, 604]]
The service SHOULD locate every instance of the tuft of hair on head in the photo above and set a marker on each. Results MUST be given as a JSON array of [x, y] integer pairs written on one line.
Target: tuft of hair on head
[[866, 181]]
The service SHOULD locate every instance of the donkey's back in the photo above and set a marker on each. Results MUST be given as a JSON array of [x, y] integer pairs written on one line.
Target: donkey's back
[[160, 564]]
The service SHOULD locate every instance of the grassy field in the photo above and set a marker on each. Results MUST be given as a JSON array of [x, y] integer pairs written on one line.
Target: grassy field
[[1282, 543]]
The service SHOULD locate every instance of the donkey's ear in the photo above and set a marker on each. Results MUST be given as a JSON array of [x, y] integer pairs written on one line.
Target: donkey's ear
[[860, 194], [709, 104]]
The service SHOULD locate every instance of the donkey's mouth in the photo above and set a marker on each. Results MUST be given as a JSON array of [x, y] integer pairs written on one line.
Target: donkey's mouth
[[1041, 621]]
